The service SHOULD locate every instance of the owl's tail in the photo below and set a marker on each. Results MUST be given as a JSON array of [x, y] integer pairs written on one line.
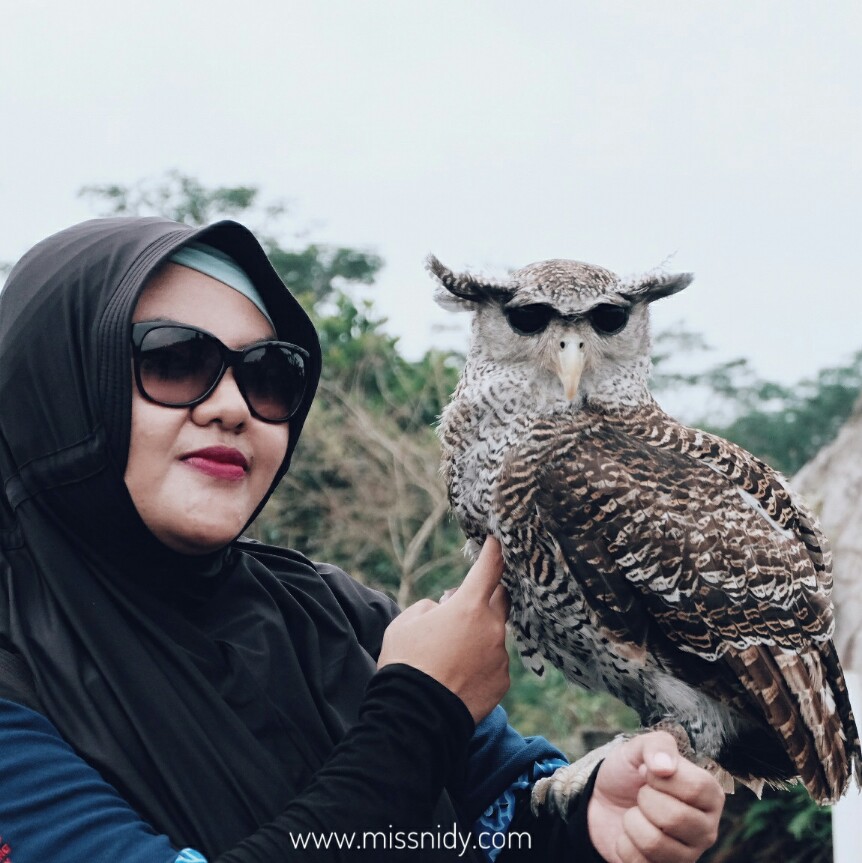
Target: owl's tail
[[804, 699], [852, 748]]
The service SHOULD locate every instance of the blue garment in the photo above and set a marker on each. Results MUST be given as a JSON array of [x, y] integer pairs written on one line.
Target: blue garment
[[54, 806], [501, 762], [498, 817], [497, 756]]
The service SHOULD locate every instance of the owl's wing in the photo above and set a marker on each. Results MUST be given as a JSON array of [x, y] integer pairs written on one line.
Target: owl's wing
[[679, 540], [766, 486]]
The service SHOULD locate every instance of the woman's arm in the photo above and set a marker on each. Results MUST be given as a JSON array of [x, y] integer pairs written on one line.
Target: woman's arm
[[388, 772], [54, 806], [390, 769], [442, 668]]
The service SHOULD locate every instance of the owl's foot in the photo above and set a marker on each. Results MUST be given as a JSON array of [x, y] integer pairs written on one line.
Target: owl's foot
[[683, 744], [558, 793], [679, 734]]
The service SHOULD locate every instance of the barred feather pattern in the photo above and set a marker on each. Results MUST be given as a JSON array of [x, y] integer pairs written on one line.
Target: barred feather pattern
[[664, 565]]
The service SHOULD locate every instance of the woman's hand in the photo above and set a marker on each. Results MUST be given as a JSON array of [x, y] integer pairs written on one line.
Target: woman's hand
[[460, 642], [650, 805]]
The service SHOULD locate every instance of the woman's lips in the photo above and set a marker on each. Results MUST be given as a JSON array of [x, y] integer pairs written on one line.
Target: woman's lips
[[220, 462]]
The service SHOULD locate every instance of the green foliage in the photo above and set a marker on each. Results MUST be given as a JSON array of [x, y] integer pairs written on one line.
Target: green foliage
[[365, 495], [364, 360], [800, 420], [784, 425], [176, 196], [315, 273], [784, 825]]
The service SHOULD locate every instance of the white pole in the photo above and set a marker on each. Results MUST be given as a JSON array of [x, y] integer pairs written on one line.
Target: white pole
[[847, 812]]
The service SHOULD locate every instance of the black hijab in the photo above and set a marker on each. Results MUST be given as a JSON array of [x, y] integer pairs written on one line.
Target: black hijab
[[209, 689]]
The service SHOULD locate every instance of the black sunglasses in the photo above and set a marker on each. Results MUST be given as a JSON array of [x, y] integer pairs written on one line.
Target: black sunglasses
[[179, 366], [607, 319]]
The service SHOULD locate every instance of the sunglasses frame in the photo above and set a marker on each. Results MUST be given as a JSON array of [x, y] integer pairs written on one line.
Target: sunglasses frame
[[230, 359], [568, 318]]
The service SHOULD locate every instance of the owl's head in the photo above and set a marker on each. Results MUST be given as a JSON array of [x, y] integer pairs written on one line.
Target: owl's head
[[576, 330]]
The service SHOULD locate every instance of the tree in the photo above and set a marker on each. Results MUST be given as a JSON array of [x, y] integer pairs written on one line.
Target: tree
[[371, 496], [784, 425], [179, 197], [315, 273]]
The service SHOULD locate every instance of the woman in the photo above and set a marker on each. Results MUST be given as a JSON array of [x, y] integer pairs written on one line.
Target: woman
[[171, 692]]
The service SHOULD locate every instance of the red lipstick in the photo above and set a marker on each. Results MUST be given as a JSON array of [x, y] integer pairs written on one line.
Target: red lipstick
[[220, 462]]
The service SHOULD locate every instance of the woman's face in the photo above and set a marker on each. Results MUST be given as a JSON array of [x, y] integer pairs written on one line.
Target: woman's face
[[190, 504]]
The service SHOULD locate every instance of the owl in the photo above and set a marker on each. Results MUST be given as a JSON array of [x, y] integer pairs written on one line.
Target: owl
[[662, 564]]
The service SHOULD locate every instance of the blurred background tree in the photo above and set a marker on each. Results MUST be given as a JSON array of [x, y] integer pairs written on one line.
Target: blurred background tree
[[365, 492]]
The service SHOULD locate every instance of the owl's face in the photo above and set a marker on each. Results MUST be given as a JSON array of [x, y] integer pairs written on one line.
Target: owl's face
[[573, 330]]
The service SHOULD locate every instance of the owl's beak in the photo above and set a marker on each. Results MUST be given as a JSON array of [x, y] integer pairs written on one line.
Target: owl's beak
[[571, 360]]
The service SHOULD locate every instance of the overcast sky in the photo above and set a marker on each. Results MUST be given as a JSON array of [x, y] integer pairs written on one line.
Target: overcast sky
[[727, 134]]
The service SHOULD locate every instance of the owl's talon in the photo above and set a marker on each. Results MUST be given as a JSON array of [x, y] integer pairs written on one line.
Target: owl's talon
[[558, 794]]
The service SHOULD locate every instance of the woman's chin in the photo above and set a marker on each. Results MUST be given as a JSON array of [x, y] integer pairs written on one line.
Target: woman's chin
[[199, 540]]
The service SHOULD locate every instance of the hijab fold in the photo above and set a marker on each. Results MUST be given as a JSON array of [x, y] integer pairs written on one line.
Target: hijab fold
[[207, 690]]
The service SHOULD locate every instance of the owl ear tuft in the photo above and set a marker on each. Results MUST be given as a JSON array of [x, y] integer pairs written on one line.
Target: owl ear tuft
[[654, 286], [462, 291]]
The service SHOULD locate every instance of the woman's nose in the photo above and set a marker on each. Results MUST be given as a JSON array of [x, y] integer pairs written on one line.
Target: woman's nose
[[225, 405]]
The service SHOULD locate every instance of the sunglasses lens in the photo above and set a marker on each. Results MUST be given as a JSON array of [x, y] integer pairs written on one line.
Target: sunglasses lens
[[273, 379], [177, 365], [608, 319], [528, 320]]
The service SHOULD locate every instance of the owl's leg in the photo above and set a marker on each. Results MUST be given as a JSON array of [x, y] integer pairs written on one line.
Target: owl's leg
[[558, 793]]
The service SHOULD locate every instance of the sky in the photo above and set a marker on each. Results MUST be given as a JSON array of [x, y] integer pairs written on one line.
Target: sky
[[718, 137]]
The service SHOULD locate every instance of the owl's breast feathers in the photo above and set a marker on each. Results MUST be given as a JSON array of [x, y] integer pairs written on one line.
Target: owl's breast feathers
[[686, 548]]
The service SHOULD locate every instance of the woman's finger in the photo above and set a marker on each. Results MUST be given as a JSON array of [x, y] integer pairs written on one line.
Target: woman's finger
[[485, 574]]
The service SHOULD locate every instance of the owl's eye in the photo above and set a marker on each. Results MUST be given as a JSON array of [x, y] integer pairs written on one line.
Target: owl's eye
[[608, 319], [529, 320]]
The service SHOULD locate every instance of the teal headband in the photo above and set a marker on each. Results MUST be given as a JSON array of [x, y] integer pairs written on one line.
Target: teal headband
[[213, 262]]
